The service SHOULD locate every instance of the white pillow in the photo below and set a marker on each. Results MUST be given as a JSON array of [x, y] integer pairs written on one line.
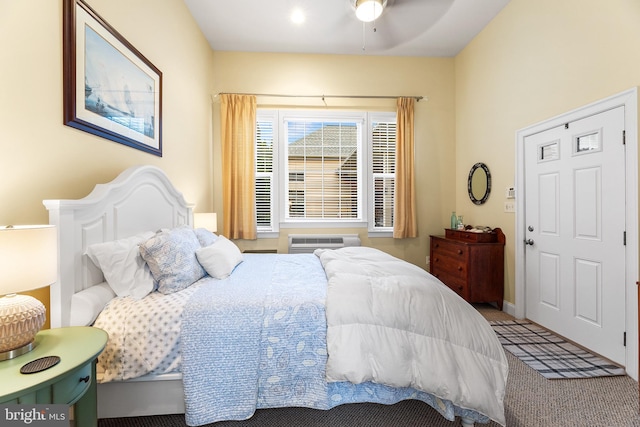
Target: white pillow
[[220, 258], [123, 267], [87, 304]]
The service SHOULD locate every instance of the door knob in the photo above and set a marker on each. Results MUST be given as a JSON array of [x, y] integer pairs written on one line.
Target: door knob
[[530, 228], [528, 242]]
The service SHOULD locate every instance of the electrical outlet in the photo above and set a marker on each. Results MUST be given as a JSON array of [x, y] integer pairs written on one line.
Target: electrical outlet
[[428, 259], [510, 207]]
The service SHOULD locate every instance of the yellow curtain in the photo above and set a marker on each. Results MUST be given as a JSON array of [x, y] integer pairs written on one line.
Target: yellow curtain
[[404, 220], [238, 126]]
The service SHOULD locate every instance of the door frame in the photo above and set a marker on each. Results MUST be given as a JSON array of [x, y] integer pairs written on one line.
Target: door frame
[[628, 99]]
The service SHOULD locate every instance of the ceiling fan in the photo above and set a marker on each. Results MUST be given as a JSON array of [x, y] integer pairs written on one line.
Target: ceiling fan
[[398, 21], [369, 10]]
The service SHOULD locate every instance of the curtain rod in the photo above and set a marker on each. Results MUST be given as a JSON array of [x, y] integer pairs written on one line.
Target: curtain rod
[[279, 95]]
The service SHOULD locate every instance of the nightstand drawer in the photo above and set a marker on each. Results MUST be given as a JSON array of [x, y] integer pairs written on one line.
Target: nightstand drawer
[[456, 283], [452, 267], [449, 249], [467, 236], [457, 271], [72, 387]]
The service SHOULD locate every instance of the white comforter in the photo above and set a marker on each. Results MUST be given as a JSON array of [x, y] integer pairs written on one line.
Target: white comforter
[[393, 323]]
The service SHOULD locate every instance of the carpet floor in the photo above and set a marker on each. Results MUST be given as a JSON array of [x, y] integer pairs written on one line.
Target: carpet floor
[[530, 401]]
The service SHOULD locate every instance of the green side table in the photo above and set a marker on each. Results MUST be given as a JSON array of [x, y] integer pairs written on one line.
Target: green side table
[[71, 381]]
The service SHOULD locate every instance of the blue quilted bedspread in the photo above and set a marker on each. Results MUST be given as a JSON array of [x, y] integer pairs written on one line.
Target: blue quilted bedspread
[[258, 340]]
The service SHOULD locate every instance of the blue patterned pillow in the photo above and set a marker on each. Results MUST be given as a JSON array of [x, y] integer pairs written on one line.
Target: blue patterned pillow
[[205, 237], [171, 256]]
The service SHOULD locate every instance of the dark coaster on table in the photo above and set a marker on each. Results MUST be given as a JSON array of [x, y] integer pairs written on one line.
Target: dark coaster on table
[[39, 365]]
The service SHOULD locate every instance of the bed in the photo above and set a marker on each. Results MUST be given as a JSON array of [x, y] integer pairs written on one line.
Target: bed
[[259, 330]]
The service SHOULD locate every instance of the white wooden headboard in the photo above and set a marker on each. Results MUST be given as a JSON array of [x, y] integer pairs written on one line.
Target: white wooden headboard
[[140, 199]]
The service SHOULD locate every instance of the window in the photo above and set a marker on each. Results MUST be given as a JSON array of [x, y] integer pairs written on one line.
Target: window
[[296, 176], [296, 204], [383, 164], [326, 154], [264, 174], [334, 169]]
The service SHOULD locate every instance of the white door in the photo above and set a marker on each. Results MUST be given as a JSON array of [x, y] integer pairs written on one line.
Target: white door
[[574, 237]]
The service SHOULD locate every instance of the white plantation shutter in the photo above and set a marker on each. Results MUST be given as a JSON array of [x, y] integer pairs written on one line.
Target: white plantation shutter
[[264, 174], [383, 149]]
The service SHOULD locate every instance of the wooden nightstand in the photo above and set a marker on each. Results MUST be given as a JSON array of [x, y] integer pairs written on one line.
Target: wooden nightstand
[[71, 381], [472, 264]]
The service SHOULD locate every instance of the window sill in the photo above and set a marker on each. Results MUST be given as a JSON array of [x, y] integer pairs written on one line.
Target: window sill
[[375, 234], [324, 224], [370, 233], [268, 235]]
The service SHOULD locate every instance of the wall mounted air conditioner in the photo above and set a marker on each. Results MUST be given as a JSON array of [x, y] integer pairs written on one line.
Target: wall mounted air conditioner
[[307, 243]]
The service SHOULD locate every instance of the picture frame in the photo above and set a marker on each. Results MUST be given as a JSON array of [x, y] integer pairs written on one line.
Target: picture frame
[[110, 89]]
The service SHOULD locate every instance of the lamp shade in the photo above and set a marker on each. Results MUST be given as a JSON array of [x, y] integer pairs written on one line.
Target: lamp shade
[[208, 221], [369, 10], [28, 257]]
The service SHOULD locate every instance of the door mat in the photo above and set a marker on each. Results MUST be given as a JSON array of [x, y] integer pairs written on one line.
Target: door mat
[[550, 355]]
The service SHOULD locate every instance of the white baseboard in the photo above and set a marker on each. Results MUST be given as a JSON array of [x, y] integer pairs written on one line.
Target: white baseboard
[[509, 308]]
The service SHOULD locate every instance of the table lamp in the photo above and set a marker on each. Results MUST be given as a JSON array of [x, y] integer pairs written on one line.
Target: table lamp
[[208, 221], [28, 261]]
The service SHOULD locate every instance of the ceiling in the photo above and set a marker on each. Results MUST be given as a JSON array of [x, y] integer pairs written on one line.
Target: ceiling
[[405, 28]]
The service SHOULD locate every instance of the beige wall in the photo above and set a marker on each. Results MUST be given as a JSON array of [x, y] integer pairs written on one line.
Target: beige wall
[[432, 78], [44, 159], [40, 158], [536, 60]]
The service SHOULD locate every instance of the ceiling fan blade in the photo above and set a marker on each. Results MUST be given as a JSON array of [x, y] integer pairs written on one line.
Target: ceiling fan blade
[[405, 20]]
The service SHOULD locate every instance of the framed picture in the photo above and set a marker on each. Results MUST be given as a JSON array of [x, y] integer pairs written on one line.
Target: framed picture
[[110, 88]]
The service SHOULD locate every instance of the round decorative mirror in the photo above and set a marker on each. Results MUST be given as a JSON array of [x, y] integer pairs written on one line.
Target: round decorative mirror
[[479, 183]]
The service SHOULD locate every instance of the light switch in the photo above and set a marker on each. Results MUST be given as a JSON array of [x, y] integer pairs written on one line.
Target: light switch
[[510, 207]]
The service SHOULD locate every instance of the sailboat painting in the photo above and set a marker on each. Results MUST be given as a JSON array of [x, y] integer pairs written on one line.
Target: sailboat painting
[[111, 90], [115, 87]]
